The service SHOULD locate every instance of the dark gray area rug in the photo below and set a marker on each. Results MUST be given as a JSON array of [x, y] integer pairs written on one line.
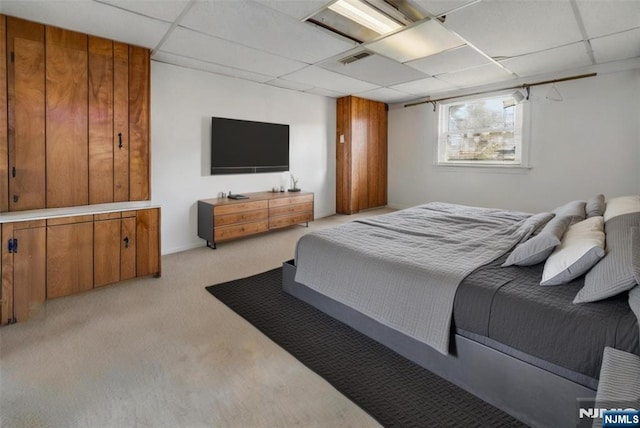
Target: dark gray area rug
[[392, 389]]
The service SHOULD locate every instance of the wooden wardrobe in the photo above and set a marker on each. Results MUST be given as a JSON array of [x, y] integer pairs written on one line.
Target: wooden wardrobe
[[361, 155], [74, 134]]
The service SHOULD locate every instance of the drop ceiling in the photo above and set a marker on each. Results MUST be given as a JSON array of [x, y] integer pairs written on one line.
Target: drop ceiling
[[459, 45]]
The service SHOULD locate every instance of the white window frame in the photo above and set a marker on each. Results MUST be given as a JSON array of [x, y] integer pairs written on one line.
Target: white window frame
[[521, 131]]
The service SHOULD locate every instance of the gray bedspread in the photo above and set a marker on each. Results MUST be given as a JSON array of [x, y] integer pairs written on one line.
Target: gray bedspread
[[402, 269]]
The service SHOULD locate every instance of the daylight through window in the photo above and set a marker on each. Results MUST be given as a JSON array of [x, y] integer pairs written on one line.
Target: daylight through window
[[481, 131]]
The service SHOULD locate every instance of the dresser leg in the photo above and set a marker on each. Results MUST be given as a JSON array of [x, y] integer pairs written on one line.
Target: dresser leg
[[213, 247]]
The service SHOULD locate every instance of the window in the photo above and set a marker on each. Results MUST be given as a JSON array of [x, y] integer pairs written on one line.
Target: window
[[481, 132]]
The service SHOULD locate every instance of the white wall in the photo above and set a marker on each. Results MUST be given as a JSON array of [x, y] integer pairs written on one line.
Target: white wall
[[586, 144], [182, 104]]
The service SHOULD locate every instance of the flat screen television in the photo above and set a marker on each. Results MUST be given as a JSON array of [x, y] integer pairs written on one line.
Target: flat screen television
[[245, 147]]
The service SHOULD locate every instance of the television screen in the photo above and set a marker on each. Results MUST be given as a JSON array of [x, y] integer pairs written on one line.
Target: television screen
[[241, 146]]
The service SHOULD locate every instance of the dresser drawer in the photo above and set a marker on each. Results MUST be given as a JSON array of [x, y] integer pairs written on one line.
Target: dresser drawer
[[239, 207], [306, 207], [290, 200], [241, 217], [230, 232], [289, 220]]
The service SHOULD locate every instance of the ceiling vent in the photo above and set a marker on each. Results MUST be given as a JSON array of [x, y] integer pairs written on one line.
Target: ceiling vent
[[353, 58]]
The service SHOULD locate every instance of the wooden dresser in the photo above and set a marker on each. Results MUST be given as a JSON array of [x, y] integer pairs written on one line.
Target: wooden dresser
[[223, 219]]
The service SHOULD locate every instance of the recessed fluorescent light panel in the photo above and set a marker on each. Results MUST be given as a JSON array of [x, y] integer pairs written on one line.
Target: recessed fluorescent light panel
[[365, 15], [362, 20], [422, 40]]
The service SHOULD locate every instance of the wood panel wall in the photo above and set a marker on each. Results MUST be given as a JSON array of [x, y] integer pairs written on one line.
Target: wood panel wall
[[4, 127], [67, 118], [139, 84], [100, 120], [26, 114], [121, 122], [76, 125]]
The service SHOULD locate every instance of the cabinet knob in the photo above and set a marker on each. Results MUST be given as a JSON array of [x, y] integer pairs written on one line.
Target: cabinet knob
[[120, 139], [126, 242]]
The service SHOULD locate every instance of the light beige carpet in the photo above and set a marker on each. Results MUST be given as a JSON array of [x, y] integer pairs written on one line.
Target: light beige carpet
[[164, 353]]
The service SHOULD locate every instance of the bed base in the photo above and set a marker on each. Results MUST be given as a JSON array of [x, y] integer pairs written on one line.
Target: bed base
[[532, 395]]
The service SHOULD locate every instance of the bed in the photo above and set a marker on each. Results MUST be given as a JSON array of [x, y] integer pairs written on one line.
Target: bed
[[431, 283]]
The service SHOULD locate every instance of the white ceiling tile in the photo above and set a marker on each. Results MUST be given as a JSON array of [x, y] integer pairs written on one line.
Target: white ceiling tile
[[439, 7], [255, 25], [617, 46], [422, 40], [321, 78], [211, 49], [87, 16], [449, 61], [424, 87], [209, 67], [296, 8], [512, 28], [559, 59], [375, 69], [326, 93], [289, 84], [484, 74], [386, 95], [607, 17], [167, 10]]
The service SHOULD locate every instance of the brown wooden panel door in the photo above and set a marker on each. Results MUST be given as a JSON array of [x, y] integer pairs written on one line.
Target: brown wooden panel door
[[359, 153], [148, 242], [69, 259], [120, 122], [26, 114], [101, 162], [128, 248], [377, 155], [343, 156], [29, 280], [4, 129], [139, 87], [106, 252], [67, 118]]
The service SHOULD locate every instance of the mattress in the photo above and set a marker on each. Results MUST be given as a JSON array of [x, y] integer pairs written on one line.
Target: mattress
[[506, 308]]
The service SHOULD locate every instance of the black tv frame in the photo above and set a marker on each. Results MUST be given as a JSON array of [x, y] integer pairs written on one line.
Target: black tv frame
[[248, 169]]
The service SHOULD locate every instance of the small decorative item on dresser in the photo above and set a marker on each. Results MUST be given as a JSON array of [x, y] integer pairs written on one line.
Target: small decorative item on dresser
[[294, 185]]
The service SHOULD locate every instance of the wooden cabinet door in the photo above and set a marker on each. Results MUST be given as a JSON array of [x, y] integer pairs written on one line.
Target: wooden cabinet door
[[148, 242], [101, 162], [29, 290], [120, 122], [4, 127], [106, 252], [23, 270], [67, 148], [139, 86], [69, 258], [128, 244], [26, 114]]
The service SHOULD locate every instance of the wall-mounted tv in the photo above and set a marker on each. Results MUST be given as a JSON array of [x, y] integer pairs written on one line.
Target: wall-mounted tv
[[244, 147]]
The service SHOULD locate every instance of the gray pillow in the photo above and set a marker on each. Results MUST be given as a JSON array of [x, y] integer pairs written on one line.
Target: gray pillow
[[538, 248], [534, 224], [575, 209], [615, 272], [595, 206]]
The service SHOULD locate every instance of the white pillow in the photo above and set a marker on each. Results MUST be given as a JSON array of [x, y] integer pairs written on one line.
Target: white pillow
[[621, 205], [582, 247]]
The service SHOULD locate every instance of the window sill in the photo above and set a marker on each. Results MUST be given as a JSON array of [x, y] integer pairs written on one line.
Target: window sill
[[466, 167]]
